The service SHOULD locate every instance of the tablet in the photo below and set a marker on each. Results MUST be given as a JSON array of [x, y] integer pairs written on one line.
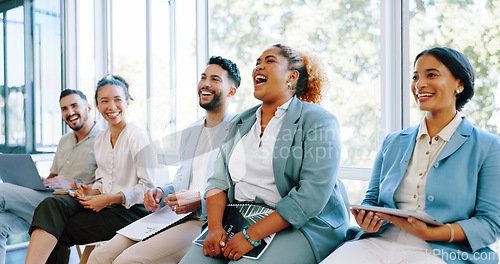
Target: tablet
[[398, 212]]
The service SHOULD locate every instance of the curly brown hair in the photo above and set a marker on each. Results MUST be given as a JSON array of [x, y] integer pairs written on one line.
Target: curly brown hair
[[312, 78]]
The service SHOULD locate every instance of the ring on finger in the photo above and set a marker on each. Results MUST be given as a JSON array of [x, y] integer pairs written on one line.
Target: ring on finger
[[230, 255]]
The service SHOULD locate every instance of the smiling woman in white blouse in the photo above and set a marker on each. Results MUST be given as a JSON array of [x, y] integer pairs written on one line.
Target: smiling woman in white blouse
[[125, 163]]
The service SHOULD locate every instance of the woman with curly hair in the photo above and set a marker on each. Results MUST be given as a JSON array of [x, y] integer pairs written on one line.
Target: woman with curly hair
[[285, 154]]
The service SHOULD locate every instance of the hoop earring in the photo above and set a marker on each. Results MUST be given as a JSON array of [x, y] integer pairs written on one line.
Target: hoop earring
[[289, 84], [458, 94]]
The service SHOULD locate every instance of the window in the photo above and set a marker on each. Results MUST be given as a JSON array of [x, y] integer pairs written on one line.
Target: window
[[85, 55], [469, 27], [30, 73], [13, 88], [47, 73]]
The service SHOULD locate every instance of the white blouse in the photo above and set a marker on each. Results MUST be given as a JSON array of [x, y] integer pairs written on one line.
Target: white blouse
[[410, 194], [128, 167], [251, 162]]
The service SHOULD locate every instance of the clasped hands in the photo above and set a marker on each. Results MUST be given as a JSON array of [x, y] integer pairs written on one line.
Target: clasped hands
[[371, 222], [181, 202]]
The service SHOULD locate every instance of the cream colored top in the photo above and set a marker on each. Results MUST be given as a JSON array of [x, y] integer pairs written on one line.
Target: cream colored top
[[410, 195], [128, 167]]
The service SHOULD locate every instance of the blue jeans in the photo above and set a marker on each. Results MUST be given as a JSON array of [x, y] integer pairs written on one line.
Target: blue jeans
[[17, 205]]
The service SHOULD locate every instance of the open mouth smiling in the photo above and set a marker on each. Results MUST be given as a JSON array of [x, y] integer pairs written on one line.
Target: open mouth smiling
[[259, 78]]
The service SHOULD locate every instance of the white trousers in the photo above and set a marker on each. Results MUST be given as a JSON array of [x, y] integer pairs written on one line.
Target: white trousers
[[168, 246], [393, 246]]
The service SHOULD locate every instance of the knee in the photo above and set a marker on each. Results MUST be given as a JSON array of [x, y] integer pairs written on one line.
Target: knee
[[99, 257], [127, 258]]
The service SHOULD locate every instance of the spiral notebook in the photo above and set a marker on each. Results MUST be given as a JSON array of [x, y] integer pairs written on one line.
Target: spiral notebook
[[237, 216], [152, 224]]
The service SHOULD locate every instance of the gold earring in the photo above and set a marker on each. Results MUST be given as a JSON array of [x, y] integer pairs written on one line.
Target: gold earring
[[289, 86]]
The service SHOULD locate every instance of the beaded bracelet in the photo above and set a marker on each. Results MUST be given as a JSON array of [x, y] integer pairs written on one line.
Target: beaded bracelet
[[255, 244]]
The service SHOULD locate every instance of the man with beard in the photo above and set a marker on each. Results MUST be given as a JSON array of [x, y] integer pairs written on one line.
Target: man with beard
[[199, 148], [73, 160]]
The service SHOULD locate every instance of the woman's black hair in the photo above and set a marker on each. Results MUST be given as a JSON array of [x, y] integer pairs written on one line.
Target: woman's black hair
[[114, 80], [459, 67]]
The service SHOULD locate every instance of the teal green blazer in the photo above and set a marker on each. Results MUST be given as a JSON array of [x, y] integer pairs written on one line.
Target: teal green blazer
[[305, 161]]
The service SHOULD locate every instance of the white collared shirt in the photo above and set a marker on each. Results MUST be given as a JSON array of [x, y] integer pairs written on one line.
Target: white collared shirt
[[128, 167], [410, 194], [251, 163]]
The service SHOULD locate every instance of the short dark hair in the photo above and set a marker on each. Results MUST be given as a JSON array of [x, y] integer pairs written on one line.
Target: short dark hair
[[229, 66], [114, 80], [67, 92], [459, 67]]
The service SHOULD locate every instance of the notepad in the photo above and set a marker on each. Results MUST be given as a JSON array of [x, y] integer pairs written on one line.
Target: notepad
[[236, 216], [152, 224]]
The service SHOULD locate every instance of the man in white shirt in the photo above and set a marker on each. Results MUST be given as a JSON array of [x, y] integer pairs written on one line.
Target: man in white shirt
[[199, 148], [73, 160]]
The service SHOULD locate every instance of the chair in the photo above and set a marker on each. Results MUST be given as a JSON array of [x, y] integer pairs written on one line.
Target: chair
[[84, 256]]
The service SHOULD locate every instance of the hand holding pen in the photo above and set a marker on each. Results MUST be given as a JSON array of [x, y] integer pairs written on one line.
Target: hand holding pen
[[83, 190]]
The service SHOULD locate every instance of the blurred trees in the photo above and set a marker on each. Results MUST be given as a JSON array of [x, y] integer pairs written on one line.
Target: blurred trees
[[345, 34]]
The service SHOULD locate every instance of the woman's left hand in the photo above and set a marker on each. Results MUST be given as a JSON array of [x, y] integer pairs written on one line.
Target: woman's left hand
[[96, 202], [236, 247], [412, 225]]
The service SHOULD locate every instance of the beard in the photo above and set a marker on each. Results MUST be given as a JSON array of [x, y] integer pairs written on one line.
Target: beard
[[212, 105], [84, 119]]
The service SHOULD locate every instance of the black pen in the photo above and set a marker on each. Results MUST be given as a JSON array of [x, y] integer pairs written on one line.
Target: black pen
[[90, 182]]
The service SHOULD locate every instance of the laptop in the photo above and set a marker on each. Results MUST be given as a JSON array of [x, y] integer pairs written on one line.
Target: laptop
[[19, 169]]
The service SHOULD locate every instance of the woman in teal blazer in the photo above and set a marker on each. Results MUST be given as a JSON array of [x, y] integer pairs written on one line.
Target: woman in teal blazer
[[462, 183], [310, 218]]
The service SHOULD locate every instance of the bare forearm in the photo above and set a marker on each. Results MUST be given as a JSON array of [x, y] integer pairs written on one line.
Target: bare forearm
[[271, 224], [443, 233], [216, 203], [114, 198]]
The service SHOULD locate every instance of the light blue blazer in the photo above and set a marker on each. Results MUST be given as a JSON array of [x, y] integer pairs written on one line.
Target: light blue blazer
[[187, 150], [463, 186], [305, 161]]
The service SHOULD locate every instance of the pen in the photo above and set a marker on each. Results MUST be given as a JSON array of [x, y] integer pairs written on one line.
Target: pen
[[90, 182]]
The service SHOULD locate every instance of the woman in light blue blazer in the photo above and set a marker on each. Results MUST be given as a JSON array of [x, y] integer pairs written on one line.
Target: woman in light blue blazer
[[284, 153], [444, 167]]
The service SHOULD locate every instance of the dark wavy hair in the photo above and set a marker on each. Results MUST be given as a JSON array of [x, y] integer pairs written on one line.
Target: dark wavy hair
[[229, 66], [459, 67], [67, 92], [114, 80]]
